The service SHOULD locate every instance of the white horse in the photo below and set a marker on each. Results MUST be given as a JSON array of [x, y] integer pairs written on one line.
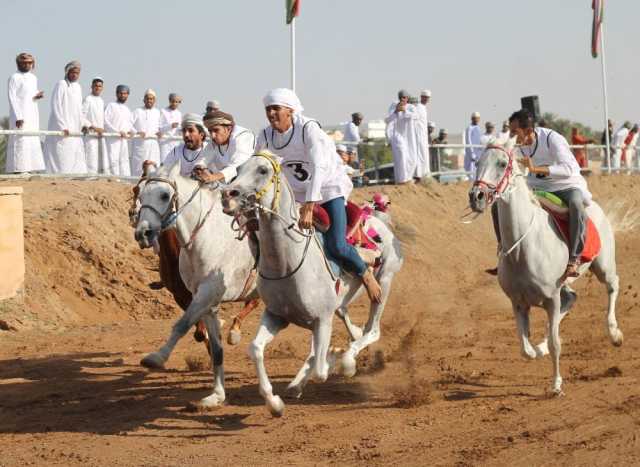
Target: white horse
[[294, 279], [213, 264], [534, 255]]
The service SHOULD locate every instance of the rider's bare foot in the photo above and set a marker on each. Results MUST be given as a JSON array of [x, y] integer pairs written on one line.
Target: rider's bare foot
[[572, 270], [371, 285]]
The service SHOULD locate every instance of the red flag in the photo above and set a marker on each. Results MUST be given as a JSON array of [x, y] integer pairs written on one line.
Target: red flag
[[293, 9], [598, 11]]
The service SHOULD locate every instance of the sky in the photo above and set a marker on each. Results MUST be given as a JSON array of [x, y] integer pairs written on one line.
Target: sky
[[351, 55]]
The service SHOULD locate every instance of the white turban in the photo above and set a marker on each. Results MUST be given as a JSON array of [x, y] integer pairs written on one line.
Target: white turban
[[71, 65], [194, 119], [284, 97], [150, 92]]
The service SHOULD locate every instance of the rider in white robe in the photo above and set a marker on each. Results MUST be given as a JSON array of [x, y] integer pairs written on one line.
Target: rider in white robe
[[192, 152], [93, 111], [118, 119], [231, 145], [146, 124], [65, 154], [401, 131], [24, 153], [170, 121]]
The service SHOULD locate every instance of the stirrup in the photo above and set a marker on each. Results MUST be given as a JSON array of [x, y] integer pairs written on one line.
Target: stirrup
[[572, 269]]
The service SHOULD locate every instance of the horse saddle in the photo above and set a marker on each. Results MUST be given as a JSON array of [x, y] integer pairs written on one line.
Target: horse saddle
[[364, 242], [559, 212]]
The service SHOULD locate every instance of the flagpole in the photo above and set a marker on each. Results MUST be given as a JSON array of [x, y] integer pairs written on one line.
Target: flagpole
[[293, 54], [604, 95]]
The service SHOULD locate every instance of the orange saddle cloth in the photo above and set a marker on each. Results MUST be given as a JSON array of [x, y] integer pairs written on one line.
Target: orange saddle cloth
[[592, 243]]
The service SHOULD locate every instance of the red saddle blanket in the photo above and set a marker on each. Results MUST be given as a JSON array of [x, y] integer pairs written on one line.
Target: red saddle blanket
[[355, 233], [592, 241]]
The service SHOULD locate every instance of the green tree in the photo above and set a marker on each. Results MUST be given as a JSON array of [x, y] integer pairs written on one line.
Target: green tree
[[564, 125]]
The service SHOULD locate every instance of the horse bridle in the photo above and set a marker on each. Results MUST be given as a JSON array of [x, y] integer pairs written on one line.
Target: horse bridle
[[165, 220], [493, 192], [274, 181]]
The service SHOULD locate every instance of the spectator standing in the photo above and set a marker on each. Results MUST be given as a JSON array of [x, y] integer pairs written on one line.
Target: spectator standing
[[472, 136], [352, 130], [93, 112], [212, 106], [580, 153], [489, 136], [118, 119], [24, 153], [629, 150], [146, 124], [65, 154], [504, 134], [618, 144], [170, 121], [401, 132], [603, 142], [422, 134]]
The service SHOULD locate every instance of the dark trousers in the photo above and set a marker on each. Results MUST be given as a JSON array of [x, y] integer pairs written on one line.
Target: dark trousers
[[335, 238], [574, 200]]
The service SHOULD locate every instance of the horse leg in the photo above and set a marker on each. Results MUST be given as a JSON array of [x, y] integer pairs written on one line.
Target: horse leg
[[552, 306], [321, 341], [298, 383], [270, 326], [202, 300], [354, 331], [609, 277], [521, 314], [217, 359], [567, 299], [371, 329], [235, 334]]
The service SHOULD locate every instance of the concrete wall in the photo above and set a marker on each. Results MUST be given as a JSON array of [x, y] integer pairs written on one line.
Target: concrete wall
[[11, 242]]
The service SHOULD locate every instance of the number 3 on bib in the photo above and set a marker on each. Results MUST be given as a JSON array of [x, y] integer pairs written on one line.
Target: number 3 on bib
[[298, 171]]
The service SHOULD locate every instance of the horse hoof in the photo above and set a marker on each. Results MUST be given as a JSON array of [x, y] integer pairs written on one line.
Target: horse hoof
[[153, 361], [348, 365], [234, 337], [294, 392], [214, 400], [542, 349], [529, 354], [617, 338], [275, 406], [557, 392]]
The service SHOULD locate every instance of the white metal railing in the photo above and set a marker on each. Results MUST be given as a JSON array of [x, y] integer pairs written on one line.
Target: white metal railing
[[457, 149]]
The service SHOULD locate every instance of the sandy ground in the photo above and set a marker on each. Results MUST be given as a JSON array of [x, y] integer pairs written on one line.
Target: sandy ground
[[444, 386]]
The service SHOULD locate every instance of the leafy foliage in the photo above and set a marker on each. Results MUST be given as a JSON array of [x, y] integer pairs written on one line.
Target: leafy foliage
[[564, 125], [4, 124]]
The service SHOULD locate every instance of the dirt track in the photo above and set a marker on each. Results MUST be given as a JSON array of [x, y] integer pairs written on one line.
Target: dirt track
[[444, 386]]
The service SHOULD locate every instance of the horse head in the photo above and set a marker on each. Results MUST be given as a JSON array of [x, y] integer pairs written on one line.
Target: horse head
[[494, 172], [257, 184], [157, 198]]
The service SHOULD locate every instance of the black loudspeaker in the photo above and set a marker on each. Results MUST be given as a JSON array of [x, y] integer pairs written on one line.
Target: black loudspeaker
[[532, 104]]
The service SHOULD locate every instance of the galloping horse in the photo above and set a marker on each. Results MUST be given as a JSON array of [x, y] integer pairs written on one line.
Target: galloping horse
[[295, 280], [213, 264], [533, 255]]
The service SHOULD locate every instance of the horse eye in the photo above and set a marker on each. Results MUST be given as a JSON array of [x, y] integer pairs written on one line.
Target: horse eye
[[164, 196], [263, 170], [502, 164]]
